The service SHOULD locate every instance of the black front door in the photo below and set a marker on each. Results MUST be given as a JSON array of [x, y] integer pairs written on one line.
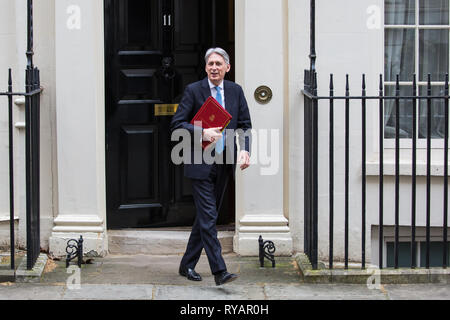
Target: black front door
[[153, 49]]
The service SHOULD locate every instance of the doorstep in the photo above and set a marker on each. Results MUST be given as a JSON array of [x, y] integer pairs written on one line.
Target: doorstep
[[158, 242]]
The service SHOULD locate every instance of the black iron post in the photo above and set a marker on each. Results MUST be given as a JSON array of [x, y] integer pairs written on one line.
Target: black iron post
[[11, 170], [346, 169], [32, 88], [74, 250], [312, 54], [331, 175], [315, 178], [28, 89], [445, 218], [311, 150], [381, 173], [397, 171], [428, 199], [413, 178], [363, 186], [30, 52], [266, 250]]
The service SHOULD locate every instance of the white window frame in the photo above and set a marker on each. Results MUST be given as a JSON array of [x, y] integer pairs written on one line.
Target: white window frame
[[406, 143]]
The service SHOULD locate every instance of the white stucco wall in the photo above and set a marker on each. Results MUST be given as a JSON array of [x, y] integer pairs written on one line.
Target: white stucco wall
[[45, 59], [272, 48], [261, 205], [80, 117], [298, 47]]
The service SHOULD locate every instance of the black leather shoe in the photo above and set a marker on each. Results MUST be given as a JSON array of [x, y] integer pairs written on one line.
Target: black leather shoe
[[225, 277], [190, 274]]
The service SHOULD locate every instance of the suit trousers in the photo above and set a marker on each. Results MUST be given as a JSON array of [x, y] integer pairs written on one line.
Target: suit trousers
[[208, 195]]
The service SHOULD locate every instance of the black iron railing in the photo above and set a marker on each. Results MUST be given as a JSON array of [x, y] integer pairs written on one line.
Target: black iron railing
[[32, 146], [32, 125], [311, 167]]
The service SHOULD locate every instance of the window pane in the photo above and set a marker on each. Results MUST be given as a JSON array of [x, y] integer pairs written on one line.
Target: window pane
[[433, 12], [404, 255], [399, 12], [436, 254], [437, 112], [405, 113], [399, 54], [433, 54]]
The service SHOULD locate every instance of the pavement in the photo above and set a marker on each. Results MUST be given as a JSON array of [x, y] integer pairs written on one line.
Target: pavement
[[155, 277]]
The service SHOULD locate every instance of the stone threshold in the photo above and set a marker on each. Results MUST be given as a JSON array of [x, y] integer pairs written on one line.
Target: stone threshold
[[158, 241], [371, 276]]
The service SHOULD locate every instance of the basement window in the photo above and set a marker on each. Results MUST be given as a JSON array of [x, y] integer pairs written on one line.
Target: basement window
[[404, 254]]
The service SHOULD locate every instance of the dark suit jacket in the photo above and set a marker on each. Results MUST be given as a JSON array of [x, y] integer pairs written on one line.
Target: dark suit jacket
[[193, 98]]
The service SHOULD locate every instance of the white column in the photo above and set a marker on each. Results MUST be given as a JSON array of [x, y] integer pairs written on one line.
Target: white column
[[80, 126], [260, 54]]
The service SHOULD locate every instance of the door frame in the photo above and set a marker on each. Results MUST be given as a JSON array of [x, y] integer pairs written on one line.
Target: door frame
[[107, 78]]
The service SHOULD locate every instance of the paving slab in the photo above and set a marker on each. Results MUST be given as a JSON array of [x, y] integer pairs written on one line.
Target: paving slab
[[150, 277], [29, 291], [322, 292], [163, 270], [109, 292], [418, 291], [208, 292]]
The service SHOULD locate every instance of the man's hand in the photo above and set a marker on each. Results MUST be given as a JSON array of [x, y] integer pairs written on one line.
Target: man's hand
[[244, 159], [212, 134]]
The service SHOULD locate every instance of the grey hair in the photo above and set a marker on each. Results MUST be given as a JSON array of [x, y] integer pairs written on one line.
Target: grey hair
[[219, 51]]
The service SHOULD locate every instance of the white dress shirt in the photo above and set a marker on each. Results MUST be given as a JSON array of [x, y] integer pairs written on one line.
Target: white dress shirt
[[212, 86]]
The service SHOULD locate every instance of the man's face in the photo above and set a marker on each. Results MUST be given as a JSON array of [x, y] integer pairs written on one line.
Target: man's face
[[216, 68]]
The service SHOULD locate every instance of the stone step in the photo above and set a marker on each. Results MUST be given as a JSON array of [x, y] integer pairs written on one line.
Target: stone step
[[158, 242]]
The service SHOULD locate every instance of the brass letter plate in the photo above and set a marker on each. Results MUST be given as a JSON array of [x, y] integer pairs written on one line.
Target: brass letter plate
[[165, 109]]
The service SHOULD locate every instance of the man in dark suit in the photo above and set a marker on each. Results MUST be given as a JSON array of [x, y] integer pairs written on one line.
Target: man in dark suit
[[209, 180]]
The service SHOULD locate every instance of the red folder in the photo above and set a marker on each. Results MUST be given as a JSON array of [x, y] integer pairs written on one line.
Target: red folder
[[212, 115]]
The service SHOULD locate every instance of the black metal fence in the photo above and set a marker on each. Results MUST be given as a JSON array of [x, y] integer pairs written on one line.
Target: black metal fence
[[311, 126], [32, 154], [32, 128]]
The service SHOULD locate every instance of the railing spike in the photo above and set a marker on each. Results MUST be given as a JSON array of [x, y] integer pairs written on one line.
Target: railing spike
[[9, 77]]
